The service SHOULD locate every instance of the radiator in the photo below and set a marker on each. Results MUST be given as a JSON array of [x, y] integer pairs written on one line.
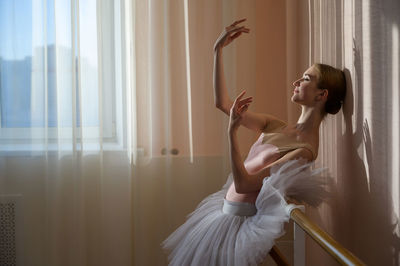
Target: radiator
[[9, 225]]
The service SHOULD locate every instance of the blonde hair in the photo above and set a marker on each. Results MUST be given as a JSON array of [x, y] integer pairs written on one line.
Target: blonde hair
[[333, 80]]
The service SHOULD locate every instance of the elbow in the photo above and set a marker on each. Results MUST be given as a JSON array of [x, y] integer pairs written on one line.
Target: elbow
[[219, 105], [223, 107]]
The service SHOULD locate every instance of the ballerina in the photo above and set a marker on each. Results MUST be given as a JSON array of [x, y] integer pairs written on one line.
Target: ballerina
[[238, 224]]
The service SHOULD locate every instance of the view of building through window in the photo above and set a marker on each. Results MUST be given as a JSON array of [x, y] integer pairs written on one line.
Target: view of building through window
[[36, 58]]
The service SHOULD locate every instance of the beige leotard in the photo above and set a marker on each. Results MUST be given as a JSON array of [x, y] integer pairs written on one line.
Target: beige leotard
[[286, 143], [269, 147]]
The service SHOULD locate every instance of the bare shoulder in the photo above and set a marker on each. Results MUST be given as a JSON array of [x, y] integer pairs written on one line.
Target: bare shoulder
[[273, 124]]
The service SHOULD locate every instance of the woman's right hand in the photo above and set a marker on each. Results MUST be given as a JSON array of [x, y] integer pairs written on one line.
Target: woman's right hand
[[229, 34]]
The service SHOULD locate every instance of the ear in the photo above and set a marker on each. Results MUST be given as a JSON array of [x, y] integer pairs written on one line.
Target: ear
[[323, 95]]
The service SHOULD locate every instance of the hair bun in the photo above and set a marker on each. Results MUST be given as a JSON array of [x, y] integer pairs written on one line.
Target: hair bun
[[332, 107], [333, 80]]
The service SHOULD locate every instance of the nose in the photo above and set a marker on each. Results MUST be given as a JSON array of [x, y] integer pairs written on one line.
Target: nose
[[296, 83]]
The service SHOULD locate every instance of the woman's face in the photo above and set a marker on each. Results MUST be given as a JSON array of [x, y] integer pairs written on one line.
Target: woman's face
[[306, 91]]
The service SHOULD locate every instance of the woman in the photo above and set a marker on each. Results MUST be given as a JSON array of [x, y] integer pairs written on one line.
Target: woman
[[238, 225]]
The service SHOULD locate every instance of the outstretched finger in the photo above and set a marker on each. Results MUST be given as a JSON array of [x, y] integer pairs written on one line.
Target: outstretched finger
[[237, 34], [245, 101], [239, 97], [238, 29], [236, 103], [238, 21]]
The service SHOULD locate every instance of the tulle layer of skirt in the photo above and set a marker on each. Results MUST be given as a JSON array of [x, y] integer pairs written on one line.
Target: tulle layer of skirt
[[215, 234]]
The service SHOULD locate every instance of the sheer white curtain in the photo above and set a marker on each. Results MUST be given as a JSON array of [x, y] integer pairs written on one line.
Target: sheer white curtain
[[97, 137], [359, 145], [179, 146], [160, 109], [63, 139], [109, 135]]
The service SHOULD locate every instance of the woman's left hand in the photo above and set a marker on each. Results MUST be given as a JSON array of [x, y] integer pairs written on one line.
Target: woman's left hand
[[239, 107]]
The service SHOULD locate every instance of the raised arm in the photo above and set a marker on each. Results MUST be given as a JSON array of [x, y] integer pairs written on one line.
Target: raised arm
[[244, 182], [251, 120], [221, 97]]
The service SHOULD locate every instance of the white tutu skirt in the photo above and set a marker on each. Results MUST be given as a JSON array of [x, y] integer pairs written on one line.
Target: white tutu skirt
[[215, 234]]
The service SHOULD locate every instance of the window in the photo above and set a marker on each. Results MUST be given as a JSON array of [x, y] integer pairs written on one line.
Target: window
[[59, 72]]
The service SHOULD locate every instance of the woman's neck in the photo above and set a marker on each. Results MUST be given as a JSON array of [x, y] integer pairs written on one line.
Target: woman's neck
[[309, 121]]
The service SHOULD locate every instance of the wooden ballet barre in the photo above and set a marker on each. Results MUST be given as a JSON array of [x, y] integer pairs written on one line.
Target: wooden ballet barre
[[341, 254], [278, 257]]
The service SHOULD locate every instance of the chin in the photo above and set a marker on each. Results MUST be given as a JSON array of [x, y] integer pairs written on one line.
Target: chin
[[296, 101]]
